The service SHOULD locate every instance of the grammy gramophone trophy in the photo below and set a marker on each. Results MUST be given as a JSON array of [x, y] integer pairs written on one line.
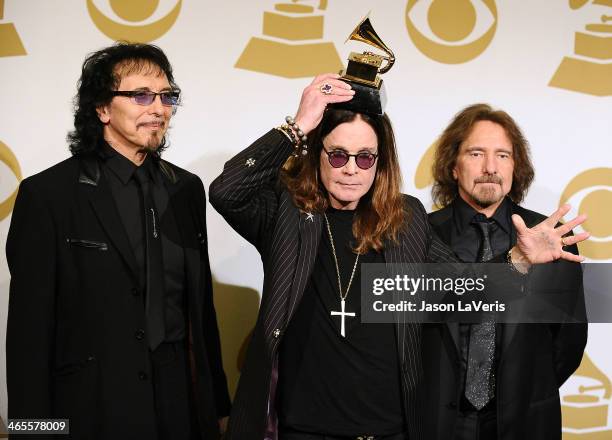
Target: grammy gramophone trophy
[[364, 70]]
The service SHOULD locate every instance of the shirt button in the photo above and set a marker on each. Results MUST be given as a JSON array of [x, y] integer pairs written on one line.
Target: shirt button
[[135, 291], [142, 375], [139, 334]]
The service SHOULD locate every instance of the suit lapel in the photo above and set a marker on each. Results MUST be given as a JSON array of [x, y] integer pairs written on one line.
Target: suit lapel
[[104, 206], [408, 334], [309, 238], [509, 330], [191, 237], [393, 255], [442, 226]]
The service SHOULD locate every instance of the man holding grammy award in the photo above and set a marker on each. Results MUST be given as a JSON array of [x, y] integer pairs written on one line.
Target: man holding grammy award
[[319, 196]]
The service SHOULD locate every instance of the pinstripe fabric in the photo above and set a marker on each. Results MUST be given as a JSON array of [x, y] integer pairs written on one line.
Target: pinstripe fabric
[[249, 197]]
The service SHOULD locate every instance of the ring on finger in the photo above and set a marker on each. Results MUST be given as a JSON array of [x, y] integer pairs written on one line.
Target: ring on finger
[[326, 89], [563, 244]]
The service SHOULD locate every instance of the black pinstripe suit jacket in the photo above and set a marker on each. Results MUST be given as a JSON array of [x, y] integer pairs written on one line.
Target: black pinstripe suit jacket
[[247, 194]]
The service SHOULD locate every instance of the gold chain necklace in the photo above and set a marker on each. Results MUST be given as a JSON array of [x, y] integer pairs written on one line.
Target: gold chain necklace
[[342, 313]]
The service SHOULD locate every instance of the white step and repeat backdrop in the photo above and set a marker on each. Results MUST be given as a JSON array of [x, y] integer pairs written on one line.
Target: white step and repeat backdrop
[[242, 65]]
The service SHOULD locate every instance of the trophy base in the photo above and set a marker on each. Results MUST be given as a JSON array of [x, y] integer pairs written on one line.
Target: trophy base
[[592, 435], [584, 77], [289, 60], [367, 99]]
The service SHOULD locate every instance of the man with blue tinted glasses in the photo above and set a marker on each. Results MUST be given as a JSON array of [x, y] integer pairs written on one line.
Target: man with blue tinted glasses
[[111, 319]]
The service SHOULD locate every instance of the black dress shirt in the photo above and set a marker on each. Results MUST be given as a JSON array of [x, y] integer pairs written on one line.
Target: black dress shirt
[[119, 172], [466, 240]]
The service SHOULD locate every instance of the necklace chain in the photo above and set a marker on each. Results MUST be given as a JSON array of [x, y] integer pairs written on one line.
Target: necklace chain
[[331, 239]]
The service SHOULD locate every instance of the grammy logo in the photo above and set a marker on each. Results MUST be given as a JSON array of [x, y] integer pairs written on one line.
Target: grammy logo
[[585, 414], [133, 11], [590, 71], [10, 43], [8, 192], [283, 51], [591, 192]]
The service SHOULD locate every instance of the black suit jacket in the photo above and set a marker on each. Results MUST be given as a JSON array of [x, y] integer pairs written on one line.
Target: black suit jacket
[[247, 194], [76, 306], [536, 359]]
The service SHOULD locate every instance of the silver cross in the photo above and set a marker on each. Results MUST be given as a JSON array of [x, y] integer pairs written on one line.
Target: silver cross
[[250, 162], [342, 314], [310, 216]]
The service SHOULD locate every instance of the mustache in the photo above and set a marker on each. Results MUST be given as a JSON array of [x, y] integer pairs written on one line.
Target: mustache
[[161, 122], [489, 178]]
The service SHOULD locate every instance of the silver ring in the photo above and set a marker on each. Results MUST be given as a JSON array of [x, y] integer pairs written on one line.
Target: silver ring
[[326, 89]]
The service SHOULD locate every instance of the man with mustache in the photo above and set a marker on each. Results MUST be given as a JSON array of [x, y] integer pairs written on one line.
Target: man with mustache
[[494, 381], [111, 321]]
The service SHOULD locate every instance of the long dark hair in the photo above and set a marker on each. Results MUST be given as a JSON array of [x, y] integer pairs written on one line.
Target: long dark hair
[[380, 213], [445, 188], [100, 76]]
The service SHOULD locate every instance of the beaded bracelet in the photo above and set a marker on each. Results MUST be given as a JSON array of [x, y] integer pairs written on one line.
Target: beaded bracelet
[[300, 141]]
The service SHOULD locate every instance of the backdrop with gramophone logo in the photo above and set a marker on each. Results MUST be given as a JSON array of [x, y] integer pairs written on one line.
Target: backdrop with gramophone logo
[[242, 65]]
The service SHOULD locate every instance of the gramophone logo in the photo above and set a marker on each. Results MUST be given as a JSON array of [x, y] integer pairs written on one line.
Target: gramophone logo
[[585, 413], [287, 48], [452, 25], [9, 160], [591, 192], [135, 12], [590, 69], [10, 43]]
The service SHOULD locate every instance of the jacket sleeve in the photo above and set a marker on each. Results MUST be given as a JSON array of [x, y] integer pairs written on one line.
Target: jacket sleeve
[[245, 193], [31, 255], [209, 316], [569, 339]]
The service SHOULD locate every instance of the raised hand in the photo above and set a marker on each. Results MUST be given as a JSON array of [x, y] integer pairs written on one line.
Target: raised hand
[[545, 242], [324, 89]]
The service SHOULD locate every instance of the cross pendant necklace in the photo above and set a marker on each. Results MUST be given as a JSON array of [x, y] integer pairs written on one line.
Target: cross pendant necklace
[[342, 313]]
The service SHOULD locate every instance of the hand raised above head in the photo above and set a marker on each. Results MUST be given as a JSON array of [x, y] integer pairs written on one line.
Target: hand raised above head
[[324, 89]]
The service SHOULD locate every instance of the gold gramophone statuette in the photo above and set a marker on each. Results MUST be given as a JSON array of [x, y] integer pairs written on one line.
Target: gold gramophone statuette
[[364, 70]]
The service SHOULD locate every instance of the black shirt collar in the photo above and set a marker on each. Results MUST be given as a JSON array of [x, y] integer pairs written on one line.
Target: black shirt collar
[[124, 168], [464, 214]]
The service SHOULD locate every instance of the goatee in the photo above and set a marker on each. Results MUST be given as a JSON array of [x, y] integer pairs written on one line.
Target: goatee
[[151, 146]]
